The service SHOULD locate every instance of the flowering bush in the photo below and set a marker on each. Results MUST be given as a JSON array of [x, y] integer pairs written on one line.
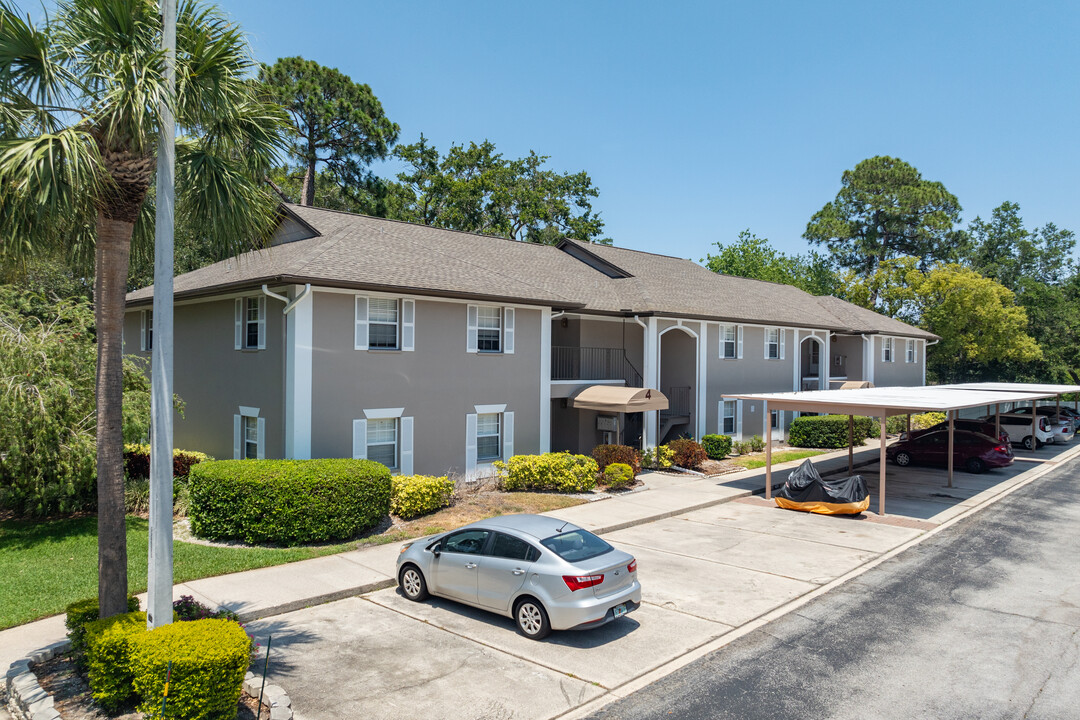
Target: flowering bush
[[557, 472]]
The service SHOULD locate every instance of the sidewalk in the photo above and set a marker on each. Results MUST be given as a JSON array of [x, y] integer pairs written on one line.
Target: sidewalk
[[284, 588]]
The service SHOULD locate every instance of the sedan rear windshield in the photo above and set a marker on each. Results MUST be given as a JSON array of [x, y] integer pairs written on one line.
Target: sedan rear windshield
[[576, 545]]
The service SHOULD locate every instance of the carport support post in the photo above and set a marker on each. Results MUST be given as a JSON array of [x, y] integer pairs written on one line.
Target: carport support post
[[952, 417], [850, 444], [881, 466], [997, 421], [1034, 437], [768, 450]]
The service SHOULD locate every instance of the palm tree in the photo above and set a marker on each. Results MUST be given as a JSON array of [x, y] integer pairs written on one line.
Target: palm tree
[[79, 100]]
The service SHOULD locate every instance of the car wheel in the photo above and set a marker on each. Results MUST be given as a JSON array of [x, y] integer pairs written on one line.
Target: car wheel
[[1027, 443], [902, 459], [532, 619], [412, 583], [975, 465]]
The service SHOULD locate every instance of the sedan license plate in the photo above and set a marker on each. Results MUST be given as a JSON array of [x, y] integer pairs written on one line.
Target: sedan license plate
[[619, 610]]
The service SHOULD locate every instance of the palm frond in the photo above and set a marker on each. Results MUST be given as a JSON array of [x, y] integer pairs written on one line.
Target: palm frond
[[34, 84]]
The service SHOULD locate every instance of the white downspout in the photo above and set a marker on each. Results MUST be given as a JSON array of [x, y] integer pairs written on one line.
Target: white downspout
[[289, 305]]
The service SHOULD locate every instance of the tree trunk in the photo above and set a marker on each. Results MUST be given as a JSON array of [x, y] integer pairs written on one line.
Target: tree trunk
[[110, 285], [308, 194]]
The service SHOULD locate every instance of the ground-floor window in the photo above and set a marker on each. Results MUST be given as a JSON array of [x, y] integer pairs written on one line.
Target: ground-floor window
[[729, 417], [382, 441], [249, 435], [488, 436], [251, 438]]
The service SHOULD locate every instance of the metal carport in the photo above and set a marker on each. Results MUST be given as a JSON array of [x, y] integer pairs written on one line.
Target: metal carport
[[883, 402]]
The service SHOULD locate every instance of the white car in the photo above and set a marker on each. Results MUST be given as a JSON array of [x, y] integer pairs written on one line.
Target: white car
[[1019, 429]]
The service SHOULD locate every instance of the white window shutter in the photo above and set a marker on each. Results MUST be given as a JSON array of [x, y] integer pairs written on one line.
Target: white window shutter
[[360, 342], [765, 337], [739, 332], [474, 322], [260, 426], [882, 349], [406, 446], [738, 419], [408, 327], [508, 331], [508, 435], [781, 332], [470, 442], [359, 439], [237, 436], [238, 337], [262, 326], [142, 331]]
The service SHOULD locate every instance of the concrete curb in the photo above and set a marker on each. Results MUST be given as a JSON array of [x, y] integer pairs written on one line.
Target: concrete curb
[[617, 693], [314, 600]]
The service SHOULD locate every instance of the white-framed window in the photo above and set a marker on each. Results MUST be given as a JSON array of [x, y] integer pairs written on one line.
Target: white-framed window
[[731, 341], [250, 316], [382, 441], [488, 436], [886, 349], [490, 329], [774, 343], [146, 337], [385, 435], [729, 425], [909, 351], [383, 325], [249, 435]]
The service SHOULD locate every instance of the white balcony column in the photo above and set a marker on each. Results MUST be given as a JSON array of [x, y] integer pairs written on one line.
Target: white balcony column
[[299, 327], [651, 378], [545, 380]]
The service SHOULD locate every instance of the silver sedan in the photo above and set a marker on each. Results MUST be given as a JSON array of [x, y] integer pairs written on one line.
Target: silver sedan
[[544, 573]]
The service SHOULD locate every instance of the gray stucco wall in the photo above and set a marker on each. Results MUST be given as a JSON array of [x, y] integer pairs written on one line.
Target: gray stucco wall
[[849, 348], [751, 374], [214, 380], [897, 372], [437, 384]]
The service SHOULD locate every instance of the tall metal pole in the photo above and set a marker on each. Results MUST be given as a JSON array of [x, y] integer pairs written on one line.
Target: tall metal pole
[[160, 580]]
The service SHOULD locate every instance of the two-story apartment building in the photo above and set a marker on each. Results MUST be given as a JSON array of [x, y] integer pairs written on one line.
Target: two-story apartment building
[[434, 350]]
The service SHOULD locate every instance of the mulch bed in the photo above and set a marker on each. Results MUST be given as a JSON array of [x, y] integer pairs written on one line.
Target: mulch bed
[[72, 699]]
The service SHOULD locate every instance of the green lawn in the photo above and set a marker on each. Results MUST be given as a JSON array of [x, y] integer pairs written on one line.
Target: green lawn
[[47, 564], [758, 460]]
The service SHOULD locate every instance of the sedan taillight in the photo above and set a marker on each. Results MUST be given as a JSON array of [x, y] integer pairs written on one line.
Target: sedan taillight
[[580, 582], [1001, 449], [632, 567]]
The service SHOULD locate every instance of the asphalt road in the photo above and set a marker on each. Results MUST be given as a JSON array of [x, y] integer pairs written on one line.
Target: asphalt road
[[980, 621]]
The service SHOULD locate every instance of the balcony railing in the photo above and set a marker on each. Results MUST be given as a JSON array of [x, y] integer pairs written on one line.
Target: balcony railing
[[591, 363]]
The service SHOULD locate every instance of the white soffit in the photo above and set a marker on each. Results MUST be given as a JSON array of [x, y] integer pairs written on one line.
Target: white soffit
[[894, 400]]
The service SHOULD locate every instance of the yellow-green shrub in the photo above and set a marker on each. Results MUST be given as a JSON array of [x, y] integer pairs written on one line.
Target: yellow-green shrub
[[81, 612], [415, 495], [556, 472], [209, 659], [658, 458], [618, 475], [107, 648]]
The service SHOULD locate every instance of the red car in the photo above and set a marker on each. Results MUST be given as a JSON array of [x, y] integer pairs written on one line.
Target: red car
[[976, 426], [972, 451]]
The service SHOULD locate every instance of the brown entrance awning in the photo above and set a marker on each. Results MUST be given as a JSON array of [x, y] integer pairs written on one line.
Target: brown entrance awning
[[610, 398]]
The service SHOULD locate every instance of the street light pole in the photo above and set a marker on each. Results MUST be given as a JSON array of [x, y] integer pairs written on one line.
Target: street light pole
[[159, 602]]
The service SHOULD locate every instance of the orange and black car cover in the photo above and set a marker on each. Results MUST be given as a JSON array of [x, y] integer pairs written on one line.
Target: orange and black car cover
[[805, 490]]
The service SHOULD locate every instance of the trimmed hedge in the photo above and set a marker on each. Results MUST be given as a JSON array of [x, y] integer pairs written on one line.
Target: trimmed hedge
[[717, 447], [77, 615], [107, 648], [555, 472], [287, 502], [687, 454], [829, 431], [137, 461], [415, 495], [618, 475], [607, 454], [209, 659]]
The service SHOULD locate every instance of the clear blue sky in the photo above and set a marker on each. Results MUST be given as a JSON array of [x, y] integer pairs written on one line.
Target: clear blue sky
[[699, 119]]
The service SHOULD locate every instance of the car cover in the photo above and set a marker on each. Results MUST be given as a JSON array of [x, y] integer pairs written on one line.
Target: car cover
[[805, 490]]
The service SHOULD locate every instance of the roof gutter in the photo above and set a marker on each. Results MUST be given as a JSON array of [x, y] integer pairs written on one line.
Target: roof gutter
[[289, 305]]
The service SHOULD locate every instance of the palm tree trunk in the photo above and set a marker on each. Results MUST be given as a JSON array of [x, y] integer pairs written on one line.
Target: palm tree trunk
[[110, 285]]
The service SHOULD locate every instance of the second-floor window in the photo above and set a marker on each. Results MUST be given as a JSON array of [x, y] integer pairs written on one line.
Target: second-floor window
[[490, 329], [383, 323], [772, 343], [909, 352], [729, 342], [250, 323], [886, 349]]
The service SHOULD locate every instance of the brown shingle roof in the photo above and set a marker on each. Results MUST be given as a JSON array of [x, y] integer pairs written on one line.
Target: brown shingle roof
[[356, 251]]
